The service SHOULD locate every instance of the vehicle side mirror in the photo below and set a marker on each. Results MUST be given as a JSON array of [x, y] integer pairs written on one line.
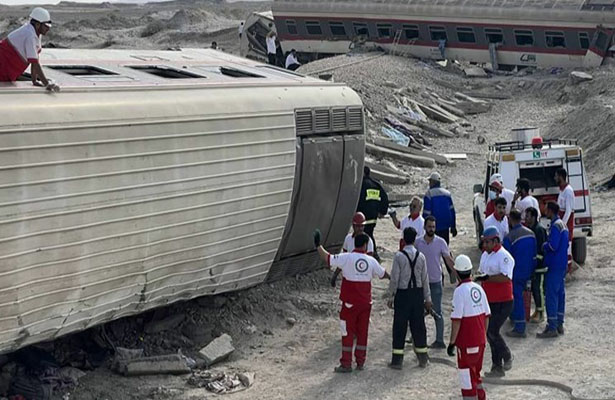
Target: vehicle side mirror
[[478, 188]]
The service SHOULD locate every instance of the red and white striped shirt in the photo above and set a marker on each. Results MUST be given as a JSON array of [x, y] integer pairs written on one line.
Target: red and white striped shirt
[[358, 269], [470, 306]]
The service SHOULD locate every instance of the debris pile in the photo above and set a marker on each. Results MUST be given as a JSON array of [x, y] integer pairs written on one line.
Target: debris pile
[[220, 382]]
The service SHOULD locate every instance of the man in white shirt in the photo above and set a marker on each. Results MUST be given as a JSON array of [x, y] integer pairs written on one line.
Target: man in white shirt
[[497, 187], [240, 29], [291, 61], [498, 219], [413, 220], [565, 200], [523, 200], [21, 49], [271, 46]]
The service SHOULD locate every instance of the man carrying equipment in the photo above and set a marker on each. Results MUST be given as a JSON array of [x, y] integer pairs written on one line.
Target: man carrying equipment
[[531, 221], [358, 269], [373, 203], [469, 316], [521, 244], [496, 267], [414, 220], [409, 296], [556, 260], [358, 221]]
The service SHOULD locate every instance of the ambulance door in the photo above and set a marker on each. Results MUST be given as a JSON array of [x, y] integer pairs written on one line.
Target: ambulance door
[[578, 181]]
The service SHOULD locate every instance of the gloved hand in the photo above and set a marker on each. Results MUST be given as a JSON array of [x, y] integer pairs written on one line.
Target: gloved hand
[[450, 350], [454, 232], [333, 280], [317, 237], [52, 87]]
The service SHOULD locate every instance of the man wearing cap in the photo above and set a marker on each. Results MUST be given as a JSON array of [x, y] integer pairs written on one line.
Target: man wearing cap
[[498, 219], [373, 203], [438, 203], [413, 219], [358, 270], [496, 272], [358, 222], [521, 244], [469, 317], [497, 189], [21, 49]]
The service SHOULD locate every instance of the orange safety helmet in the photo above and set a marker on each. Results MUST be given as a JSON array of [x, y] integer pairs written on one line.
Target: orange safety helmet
[[358, 219]]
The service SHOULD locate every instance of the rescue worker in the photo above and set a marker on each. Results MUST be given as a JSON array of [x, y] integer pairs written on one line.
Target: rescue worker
[[439, 203], [555, 258], [523, 199], [409, 296], [358, 222], [497, 189], [498, 219], [521, 244], [373, 203], [469, 318], [291, 62], [435, 249], [565, 200], [414, 219], [270, 40], [21, 49], [240, 29], [531, 221], [496, 269], [358, 269]]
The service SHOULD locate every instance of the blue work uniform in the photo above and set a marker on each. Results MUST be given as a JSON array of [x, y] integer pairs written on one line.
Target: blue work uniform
[[439, 203], [556, 260], [521, 244]]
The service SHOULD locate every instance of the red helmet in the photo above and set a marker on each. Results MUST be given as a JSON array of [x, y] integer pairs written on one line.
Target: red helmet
[[358, 219]]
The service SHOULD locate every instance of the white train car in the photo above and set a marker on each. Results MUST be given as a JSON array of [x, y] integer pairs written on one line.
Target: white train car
[[159, 176], [564, 33]]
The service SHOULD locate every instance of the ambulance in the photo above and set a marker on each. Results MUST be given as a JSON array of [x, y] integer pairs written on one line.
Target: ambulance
[[530, 156]]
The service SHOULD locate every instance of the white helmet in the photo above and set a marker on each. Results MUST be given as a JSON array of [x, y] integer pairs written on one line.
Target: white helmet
[[41, 15], [496, 178], [463, 263]]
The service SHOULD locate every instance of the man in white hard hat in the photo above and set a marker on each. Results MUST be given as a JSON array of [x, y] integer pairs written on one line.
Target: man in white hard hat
[[470, 316], [21, 49]]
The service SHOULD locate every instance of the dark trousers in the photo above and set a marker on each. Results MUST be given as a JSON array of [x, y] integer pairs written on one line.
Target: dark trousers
[[499, 350], [369, 230], [293, 67], [271, 58], [444, 234], [409, 312], [538, 290]]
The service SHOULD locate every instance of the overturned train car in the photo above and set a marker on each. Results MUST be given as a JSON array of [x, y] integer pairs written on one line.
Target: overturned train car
[[506, 33], [155, 177]]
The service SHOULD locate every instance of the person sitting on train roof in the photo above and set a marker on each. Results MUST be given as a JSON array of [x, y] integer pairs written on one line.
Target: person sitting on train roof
[[214, 45], [21, 49], [291, 60]]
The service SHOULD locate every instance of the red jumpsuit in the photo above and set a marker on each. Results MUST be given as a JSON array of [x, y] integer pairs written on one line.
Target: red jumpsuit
[[471, 308]]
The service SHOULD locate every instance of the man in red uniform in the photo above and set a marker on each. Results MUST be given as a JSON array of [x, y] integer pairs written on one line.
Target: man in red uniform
[[358, 269], [565, 200], [470, 315], [21, 49], [358, 223]]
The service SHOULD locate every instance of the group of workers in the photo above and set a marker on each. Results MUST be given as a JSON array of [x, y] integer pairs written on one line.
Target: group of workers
[[517, 250]]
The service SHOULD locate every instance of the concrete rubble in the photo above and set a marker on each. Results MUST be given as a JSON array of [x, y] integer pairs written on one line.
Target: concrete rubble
[[220, 382], [578, 77], [132, 362], [217, 350]]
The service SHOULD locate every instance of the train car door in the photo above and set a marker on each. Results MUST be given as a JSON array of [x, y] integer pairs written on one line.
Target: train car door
[[599, 47]]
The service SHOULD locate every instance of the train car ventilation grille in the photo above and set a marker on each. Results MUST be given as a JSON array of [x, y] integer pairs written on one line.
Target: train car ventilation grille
[[338, 119], [355, 118], [303, 121], [322, 121]]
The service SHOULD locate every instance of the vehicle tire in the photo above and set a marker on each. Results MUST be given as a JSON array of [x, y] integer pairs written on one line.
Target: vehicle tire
[[479, 229], [579, 249]]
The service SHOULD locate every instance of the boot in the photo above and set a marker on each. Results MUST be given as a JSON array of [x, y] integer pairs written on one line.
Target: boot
[[423, 359], [496, 372], [342, 369], [547, 334], [397, 361], [537, 317], [560, 329]]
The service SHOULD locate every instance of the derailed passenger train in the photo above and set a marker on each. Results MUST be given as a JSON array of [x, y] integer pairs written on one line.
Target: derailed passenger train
[[159, 176], [506, 33]]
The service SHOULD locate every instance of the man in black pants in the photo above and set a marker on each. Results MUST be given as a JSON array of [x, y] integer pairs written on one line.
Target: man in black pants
[[538, 279], [373, 203], [409, 295], [495, 272]]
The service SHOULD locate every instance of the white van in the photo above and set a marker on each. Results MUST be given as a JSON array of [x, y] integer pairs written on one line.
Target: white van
[[520, 158]]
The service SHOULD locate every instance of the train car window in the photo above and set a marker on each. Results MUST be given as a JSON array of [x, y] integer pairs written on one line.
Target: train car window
[[555, 39], [165, 72], [494, 35], [411, 32], [360, 29], [337, 28], [524, 38], [466, 35], [384, 30], [584, 40], [437, 33], [81, 70], [291, 27], [313, 27]]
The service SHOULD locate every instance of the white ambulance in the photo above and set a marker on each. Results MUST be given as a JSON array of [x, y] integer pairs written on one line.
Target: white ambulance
[[529, 156]]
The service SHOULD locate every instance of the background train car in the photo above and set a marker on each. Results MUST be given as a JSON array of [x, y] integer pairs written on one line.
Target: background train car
[[158, 176], [565, 33]]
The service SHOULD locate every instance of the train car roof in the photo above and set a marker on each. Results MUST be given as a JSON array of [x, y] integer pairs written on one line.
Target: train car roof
[[83, 68]]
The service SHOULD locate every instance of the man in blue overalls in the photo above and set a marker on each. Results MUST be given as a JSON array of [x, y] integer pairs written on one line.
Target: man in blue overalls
[[556, 259], [521, 244]]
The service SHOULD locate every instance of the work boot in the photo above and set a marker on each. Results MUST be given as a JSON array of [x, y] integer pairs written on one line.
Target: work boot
[[560, 329], [516, 334], [537, 317], [437, 345], [397, 361], [395, 366], [360, 367], [508, 364], [547, 334], [423, 359], [342, 369], [496, 372]]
